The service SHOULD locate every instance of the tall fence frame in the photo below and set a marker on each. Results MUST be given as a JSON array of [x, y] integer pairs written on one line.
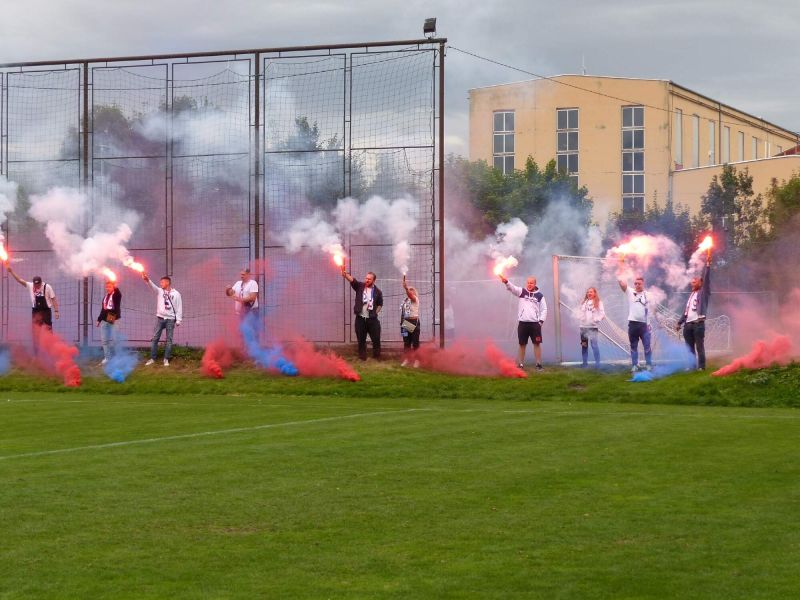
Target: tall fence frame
[[87, 161]]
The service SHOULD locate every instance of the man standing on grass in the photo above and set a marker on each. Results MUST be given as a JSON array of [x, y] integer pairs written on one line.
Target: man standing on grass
[[694, 317], [367, 307], [43, 303], [638, 326], [169, 314], [244, 293], [532, 312]]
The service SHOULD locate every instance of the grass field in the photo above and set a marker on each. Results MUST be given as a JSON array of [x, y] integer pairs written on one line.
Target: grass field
[[405, 485]]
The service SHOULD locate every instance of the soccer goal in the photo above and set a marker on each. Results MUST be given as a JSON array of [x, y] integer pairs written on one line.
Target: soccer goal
[[572, 275]]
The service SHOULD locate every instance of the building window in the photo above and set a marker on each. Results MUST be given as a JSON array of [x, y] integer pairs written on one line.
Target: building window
[[726, 145], [767, 149], [678, 154], [695, 141], [633, 159], [712, 143], [780, 150], [741, 146], [567, 141], [754, 149], [503, 142]]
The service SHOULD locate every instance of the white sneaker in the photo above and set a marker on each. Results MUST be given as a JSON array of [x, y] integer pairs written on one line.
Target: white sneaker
[[166, 362], [104, 361], [404, 363], [149, 362], [634, 368], [416, 364]]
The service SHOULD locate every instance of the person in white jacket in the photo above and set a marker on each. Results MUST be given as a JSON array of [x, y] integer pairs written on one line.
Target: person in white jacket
[[532, 312], [169, 314], [590, 313]]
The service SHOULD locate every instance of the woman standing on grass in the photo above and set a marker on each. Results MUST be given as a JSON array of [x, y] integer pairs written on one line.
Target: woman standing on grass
[[110, 313], [409, 323], [591, 312]]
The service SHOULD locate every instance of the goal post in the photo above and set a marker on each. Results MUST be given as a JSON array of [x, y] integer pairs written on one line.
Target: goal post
[[572, 275]]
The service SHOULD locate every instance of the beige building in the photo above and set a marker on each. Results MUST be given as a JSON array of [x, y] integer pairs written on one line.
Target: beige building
[[629, 141]]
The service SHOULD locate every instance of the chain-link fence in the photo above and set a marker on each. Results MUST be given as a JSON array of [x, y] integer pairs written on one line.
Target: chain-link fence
[[218, 154]]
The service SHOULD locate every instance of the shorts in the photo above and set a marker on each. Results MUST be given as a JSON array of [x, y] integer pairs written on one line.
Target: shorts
[[529, 330]]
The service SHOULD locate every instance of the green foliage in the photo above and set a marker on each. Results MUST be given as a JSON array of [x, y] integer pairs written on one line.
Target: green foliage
[[731, 207], [783, 206], [525, 193]]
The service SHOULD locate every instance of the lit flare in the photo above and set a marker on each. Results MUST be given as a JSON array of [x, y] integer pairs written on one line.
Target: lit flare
[[3, 253], [706, 244], [109, 274], [132, 264], [504, 263]]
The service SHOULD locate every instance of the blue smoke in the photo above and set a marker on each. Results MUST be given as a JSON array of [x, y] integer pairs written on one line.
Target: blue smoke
[[266, 357], [673, 356], [122, 363], [5, 360]]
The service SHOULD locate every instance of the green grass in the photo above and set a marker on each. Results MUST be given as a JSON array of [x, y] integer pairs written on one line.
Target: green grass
[[405, 485]]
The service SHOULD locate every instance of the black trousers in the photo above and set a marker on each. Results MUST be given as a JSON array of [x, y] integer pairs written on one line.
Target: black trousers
[[368, 327], [411, 339], [694, 334]]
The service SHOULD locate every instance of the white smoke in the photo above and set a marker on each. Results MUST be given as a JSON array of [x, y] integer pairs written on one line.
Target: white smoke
[[63, 212], [313, 232], [8, 200], [376, 218]]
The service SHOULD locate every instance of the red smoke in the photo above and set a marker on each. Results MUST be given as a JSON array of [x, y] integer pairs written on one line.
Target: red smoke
[[462, 358], [218, 357], [58, 356], [777, 351], [311, 362]]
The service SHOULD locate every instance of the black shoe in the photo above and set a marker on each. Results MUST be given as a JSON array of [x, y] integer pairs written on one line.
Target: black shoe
[[539, 367]]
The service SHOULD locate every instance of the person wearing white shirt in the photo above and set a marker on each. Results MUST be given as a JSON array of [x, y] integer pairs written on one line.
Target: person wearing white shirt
[[638, 326], [590, 312], [169, 314], [409, 323], [532, 312], [43, 303], [244, 293]]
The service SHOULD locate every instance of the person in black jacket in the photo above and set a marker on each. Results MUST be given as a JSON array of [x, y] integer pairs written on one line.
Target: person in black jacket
[[110, 313], [694, 316], [367, 307]]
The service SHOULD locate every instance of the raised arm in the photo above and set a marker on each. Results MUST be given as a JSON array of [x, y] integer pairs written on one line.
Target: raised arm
[[150, 282], [623, 285], [347, 275], [409, 293], [21, 281]]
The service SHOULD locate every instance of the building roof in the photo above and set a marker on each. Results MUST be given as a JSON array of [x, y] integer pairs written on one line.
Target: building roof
[[669, 81]]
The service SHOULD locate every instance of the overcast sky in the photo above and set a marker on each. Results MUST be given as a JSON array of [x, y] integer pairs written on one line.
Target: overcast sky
[[741, 52]]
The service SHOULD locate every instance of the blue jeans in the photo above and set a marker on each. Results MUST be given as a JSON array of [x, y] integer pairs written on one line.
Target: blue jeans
[[589, 336], [639, 331], [161, 325], [108, 338]]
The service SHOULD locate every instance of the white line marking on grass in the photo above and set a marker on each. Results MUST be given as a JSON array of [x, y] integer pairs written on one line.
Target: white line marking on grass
[[186, 436]]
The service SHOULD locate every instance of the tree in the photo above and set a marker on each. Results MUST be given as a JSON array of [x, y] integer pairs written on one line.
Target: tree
[[783, 206], [493, 197], [731, 207]]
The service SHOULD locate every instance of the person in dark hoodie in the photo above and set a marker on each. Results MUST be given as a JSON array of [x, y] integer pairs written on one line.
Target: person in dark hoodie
[[110, 313], [367, 307], [694, 316]]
